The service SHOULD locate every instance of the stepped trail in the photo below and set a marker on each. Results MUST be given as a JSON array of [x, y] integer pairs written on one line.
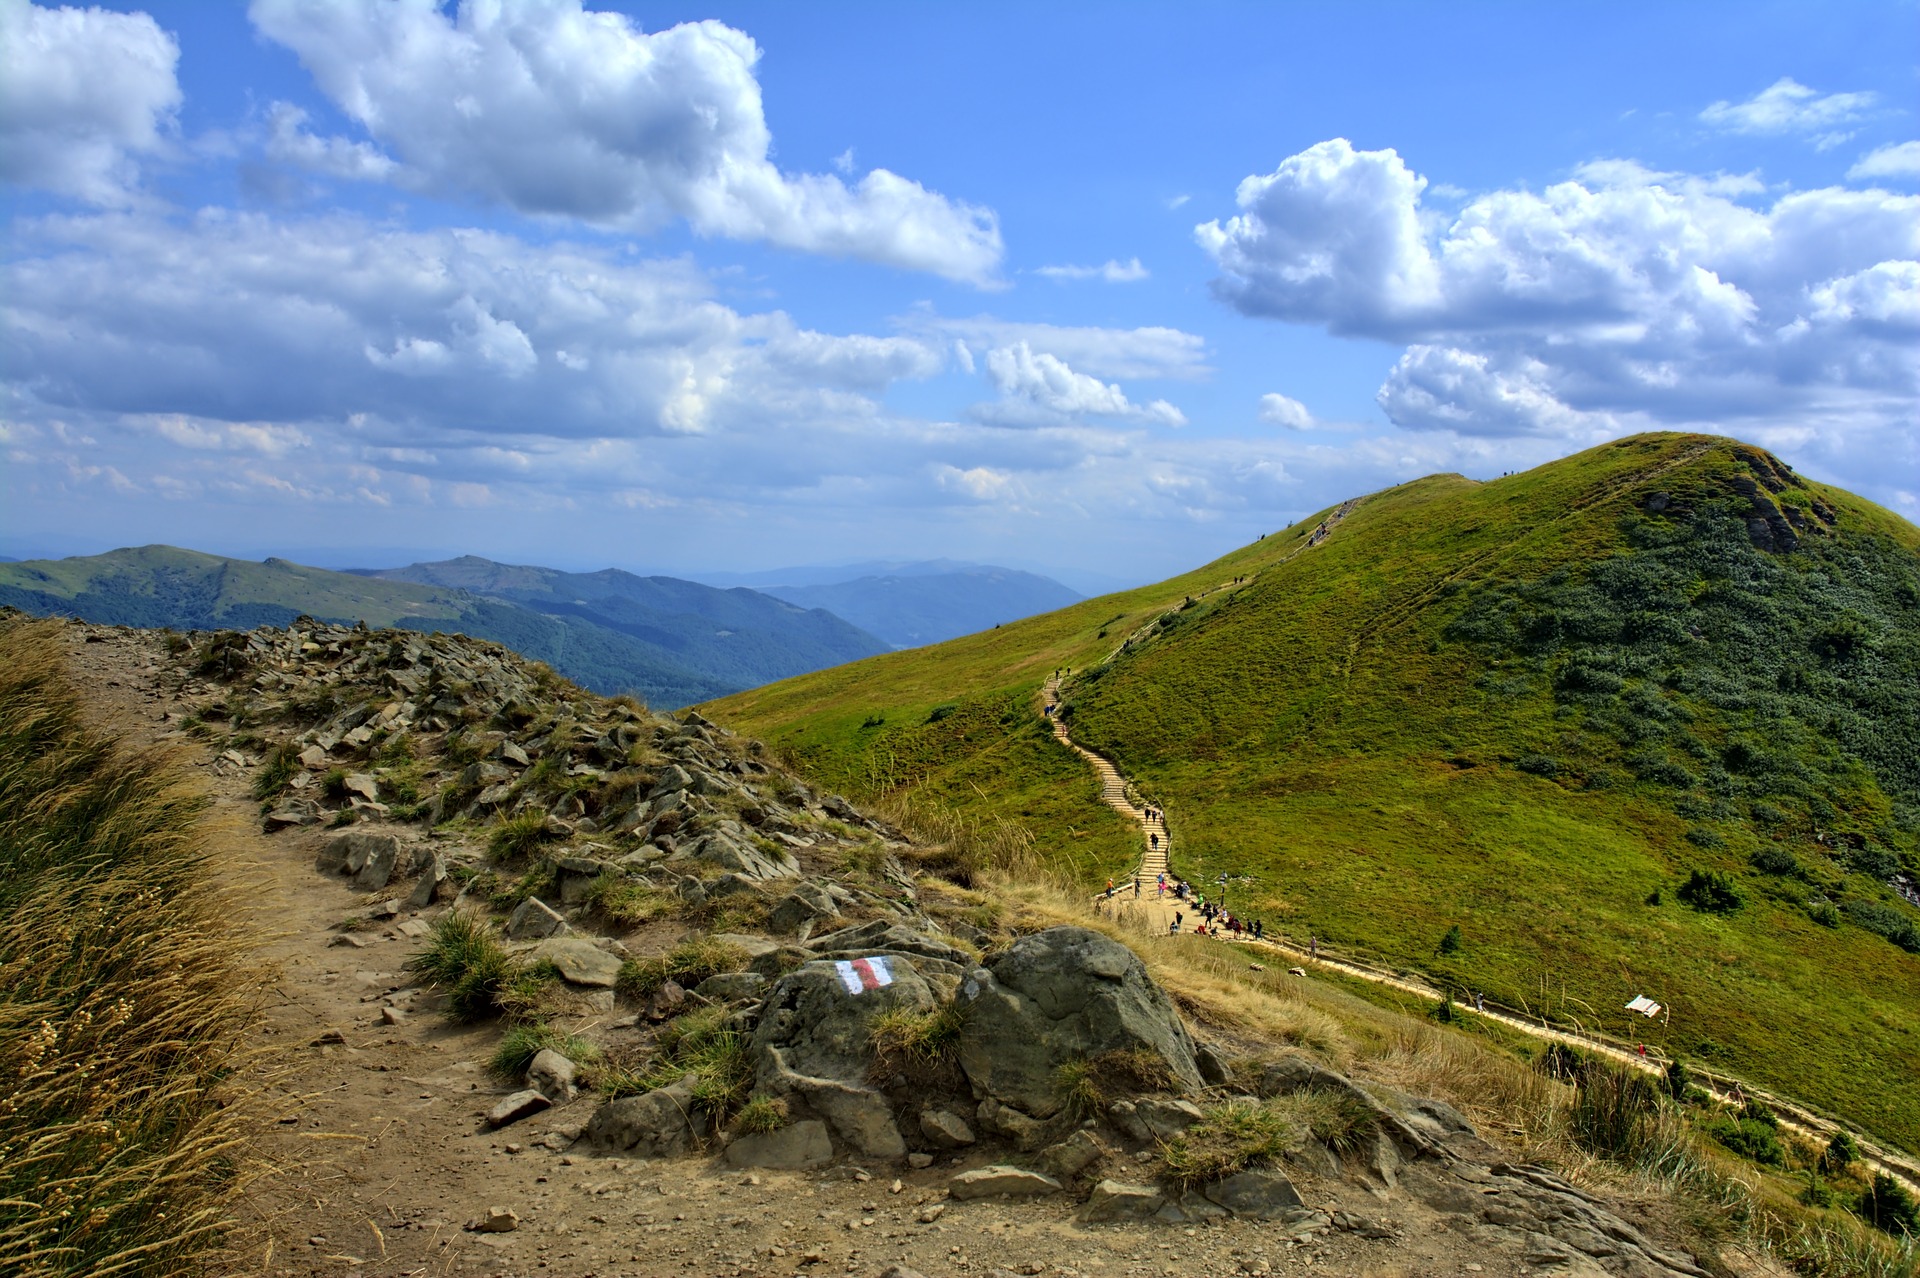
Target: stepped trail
[[1137, 901]]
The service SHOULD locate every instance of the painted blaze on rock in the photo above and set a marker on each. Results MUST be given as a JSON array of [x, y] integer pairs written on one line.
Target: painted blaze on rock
[[1055, 996]]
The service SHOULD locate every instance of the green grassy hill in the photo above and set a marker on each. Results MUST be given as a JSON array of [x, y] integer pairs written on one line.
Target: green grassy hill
[[1532, 708]]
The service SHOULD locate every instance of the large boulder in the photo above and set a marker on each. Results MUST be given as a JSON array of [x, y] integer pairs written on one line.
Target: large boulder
[[651, 1125], [733, 849], [1055, 996], [812, 1046]]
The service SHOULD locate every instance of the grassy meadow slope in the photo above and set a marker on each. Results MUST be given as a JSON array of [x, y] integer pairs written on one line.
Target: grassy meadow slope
[[1530, 708]]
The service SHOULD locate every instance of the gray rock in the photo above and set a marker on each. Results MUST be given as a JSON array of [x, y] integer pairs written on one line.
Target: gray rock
[[434, 882], [652, 1125], [1155, 1117], [882, 936], [801, 909], [1000, 1179], [516, 1107], [1072, 1156], [553, 1075], [352, 852], [1117, 1200], [1257, 1194], [801, 1144], [576, 876], [729, 987], [498, 1220], [745, 857], [755, 946], [945, 1129], [512, 754], [580, 962], [533, 919], [673, 777], [374, 871], [812, 1044], [362, 784], [1024, 1130], [1060, 995], [291, 812]]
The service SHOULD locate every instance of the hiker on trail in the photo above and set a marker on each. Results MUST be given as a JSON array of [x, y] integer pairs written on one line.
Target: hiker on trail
[[1177, 917], [1109, 889], [1173, 928], [1480, 1005], [1259, 930], [1160, 885], [1136, 887], [1313, 947], [1153, 840]]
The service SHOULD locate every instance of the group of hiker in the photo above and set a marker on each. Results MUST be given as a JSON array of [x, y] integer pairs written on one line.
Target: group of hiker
[[1213, 920]]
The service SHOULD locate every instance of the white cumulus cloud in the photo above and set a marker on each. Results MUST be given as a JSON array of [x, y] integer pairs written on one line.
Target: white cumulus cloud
[[1626, 297], [82, 93], [554, 109], [1280, 410], [1787, 106], [1026, 378], [1895, 160]]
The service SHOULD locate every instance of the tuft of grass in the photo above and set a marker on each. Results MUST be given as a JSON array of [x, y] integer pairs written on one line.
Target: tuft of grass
[[517, 837], [687, 963], [334, 784], [625, 903], [520, 1044], [276, 770], [701, 1044], [1087, 1085], [761, 1115], [901, 1036], [1231, 1138], [1616, 1112], [464, 957], [125, 993]]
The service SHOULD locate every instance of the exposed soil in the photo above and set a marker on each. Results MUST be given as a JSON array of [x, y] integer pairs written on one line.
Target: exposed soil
[[375, 1153]]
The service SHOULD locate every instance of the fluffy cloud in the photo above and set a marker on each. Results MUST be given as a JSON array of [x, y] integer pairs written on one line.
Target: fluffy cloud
[[1112, 272], [1290, 414], [289, 142], [444, 334], [553, 109], [1626, 297], [82, 92], [1787, 106], [1030, 380], [1119, 353], [1895, 160]]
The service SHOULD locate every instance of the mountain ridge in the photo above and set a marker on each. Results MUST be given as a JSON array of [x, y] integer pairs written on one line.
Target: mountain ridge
[[1483, 705]]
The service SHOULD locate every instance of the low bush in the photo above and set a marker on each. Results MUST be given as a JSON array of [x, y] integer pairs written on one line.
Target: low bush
[[1750, 1138], [1774, 859], [687, 964], [1615, 1113], [1711, 891], [1886, 920], [1889, 1208]]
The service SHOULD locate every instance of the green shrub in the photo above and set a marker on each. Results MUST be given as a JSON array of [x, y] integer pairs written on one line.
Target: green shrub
[[1679, 1082], [1823, 912], [1702, 837], [1774, 859], [700, 1043], [520, 1044], [687, 964], [1750, 1138], [1841, 1152], [1889, 1208], [1711, 891], [465, 958], [1229, 1139], [1450, 943], [334, 784], [1888, 921]]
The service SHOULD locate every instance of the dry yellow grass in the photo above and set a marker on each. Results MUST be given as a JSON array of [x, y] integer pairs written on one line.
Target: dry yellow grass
[[125, 994]]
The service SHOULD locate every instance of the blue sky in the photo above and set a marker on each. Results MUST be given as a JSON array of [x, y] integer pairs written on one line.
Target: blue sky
[[1105, 290]]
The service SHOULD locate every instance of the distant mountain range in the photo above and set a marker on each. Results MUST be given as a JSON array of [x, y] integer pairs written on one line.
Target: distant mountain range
[[667, 641], [913, 603]]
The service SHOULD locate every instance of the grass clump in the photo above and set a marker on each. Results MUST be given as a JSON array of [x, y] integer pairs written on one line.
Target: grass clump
[[124, 994], [687, 964], [623, 902], [701, 1044], [1231, 1138], [761, 1115], [465, 958], [1087, 1085], [282, 761], [517, 836], [520, 1044], [903, 1036], [1616, 1112]]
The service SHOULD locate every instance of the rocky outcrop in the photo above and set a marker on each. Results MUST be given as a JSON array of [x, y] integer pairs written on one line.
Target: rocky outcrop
[[1061, 995]]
